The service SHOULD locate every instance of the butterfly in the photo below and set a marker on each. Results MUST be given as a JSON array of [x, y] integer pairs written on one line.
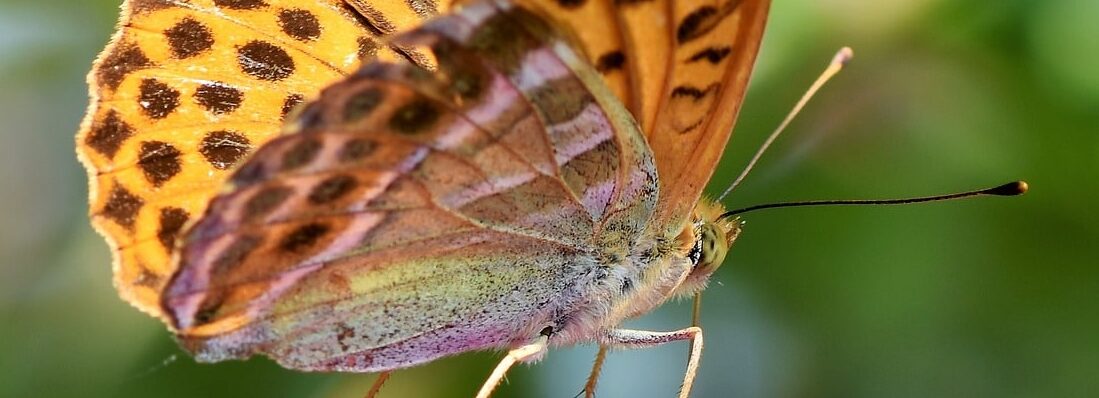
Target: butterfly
[[523, 179]]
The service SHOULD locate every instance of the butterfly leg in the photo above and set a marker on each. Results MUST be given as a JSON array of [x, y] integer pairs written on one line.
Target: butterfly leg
[[377, 386], [626, 338], [596, 368], [521, 354]]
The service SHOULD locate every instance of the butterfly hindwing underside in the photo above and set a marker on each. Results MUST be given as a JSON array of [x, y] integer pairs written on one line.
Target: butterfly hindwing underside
[[464, 207]]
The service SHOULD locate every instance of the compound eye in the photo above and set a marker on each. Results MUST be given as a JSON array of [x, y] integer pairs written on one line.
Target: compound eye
[[708, 246], [696, 251]]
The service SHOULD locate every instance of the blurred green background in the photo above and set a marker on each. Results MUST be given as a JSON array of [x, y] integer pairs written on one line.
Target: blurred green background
[[981, 298]]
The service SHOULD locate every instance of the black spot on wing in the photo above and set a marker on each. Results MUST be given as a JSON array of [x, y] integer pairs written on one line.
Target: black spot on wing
[[332, 189], [189, 38], [611, 61], [223, 149], [301, 154], [292, 101], [265, 201], [107, 135], [300, 24], [415, 117], [695, 93], [240, 4], [571, 4], [159, 161], [368, 48], [125, 59], [713, 55], [157, 99], [171, 222], [265, 61], [303, 237], [361, 104], [357, 149], [692, 126], [702, 20], [218, 98], [423, 8], [122, 207]]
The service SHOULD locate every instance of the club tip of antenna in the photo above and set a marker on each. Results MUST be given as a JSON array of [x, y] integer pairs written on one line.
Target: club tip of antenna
[[1010, 189], [843, 56]]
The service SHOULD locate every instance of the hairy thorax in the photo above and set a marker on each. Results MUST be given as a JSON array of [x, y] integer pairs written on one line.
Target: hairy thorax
[[651, 271]]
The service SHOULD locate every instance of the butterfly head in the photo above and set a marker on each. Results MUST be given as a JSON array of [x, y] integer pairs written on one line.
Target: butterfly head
[[706, 241]]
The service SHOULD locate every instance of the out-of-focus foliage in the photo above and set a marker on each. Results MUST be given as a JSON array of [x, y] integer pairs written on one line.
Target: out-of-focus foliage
[[993, 298]]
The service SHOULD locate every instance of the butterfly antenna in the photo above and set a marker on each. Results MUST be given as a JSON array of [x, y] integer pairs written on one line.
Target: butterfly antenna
[[842, 57], [1010, 189]]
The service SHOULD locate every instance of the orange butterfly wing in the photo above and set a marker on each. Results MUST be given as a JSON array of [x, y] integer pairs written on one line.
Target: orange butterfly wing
[[415, 214], [714, 50], [186, 90], [681, 67]]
